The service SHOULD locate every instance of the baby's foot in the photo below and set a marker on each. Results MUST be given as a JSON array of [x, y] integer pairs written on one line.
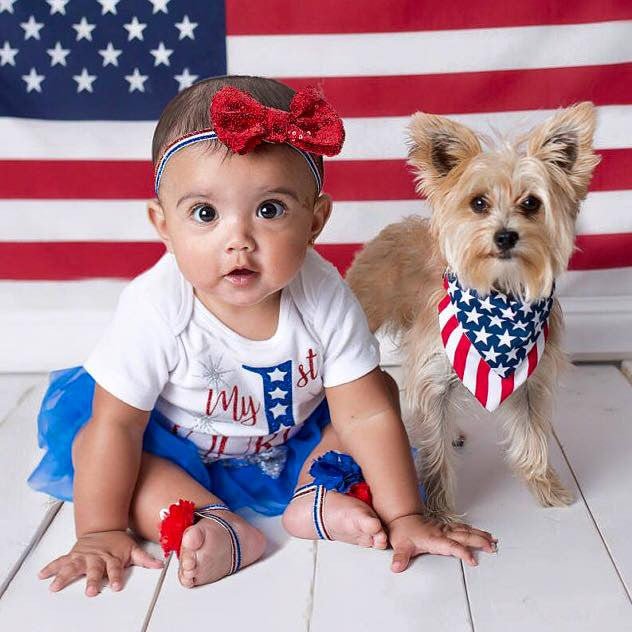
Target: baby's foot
[[206, 553], [346, 519]]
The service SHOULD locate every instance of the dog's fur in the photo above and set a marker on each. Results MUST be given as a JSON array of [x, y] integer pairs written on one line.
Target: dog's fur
[[398, 277]]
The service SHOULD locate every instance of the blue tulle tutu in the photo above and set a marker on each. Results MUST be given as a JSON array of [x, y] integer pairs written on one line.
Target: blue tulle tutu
[[67, 406]]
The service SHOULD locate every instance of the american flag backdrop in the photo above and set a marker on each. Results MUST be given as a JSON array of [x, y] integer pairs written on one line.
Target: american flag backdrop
[[82, 83]]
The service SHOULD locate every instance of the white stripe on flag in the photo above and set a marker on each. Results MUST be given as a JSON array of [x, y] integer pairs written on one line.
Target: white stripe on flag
[[368, 138], [494, 390], [471, 367], [603, 212], [423, 52]]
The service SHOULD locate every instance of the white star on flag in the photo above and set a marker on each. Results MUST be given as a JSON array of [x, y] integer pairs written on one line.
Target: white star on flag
[[520, 325], [32, 28], [7, 54], [508, 313], [58, 6], [495, 321], [277, 410], [110, 55], [482, 335], [7, 5], [134, 29], [108, 6], [473, 316], [277, 393], [186, 28], [161, 54], [33, 81], [136, 81], [491, 355], [277, 375], [512, 354], [526, 308], [505, 339], [159, 5], [84, 29], [452, 286], [84, 81], [501, 296], [185, 80], [466, 296], [58, 55], [487, 304]]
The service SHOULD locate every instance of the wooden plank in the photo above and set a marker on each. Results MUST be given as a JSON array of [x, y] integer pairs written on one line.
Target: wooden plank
[[13, 388], [595, 431], [272, 595], [70, 609], [24, 508], [356, 590], [552, 571]]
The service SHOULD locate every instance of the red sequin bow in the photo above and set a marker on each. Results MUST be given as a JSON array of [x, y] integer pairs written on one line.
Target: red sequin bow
[[242, 123]]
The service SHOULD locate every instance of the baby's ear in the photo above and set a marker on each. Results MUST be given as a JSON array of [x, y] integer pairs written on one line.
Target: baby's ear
[[564, 144], [437, 146], [156, 215]]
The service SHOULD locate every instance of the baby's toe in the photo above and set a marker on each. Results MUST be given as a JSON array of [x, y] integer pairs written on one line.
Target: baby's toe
[[380, 541], [193, 538], [365, 541], [369, 524]]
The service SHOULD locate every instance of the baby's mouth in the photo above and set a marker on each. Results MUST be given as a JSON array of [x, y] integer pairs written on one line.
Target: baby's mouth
[[240, 276]]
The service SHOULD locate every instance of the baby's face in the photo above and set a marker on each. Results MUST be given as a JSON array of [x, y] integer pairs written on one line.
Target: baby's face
[[239, 226]]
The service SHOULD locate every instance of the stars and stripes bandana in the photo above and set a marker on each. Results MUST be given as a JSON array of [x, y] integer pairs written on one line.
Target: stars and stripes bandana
[[493, 342]]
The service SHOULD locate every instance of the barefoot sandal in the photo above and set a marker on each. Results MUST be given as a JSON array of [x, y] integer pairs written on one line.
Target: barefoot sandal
[[180, 516], [333, 471]]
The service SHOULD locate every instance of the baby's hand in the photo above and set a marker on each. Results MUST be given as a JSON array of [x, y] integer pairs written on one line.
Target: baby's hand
[[415, 535], [98, 555]]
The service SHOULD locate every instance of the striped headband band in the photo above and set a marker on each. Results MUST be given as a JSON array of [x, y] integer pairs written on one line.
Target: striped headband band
[[203, 135]]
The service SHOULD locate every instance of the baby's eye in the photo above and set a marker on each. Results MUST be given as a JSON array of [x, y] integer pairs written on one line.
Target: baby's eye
[[203, 213], [271, 209]]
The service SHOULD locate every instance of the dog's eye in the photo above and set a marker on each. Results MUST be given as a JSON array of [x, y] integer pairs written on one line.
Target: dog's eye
[[530, 204], [479, 204]]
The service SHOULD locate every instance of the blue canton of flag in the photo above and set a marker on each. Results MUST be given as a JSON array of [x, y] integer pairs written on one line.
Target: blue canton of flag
[[502, 329], [105, 59], [277, 393]]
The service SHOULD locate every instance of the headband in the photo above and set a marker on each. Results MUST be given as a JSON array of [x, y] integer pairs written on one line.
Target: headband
[[311, 127]]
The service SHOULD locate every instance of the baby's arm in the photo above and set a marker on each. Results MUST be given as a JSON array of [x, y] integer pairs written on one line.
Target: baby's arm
[[371, 429], [106, 458]]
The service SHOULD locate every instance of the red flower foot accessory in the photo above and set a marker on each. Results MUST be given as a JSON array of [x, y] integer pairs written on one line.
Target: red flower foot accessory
[[175, 521]]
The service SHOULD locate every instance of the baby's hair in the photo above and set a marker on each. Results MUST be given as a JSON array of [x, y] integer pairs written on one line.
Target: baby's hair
[[188, 111]]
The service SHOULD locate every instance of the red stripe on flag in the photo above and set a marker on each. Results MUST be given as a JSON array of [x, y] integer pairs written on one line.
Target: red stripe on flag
[[345, 180], [84, 260], [474, 92], [444, 303], [460, 356], [482, 382], [532, 358], [506, 387], [447, 330], [281, 17]]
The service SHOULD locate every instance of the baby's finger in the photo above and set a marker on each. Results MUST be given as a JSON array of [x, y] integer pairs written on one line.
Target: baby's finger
[[466, 527], [94, 575], [446, 546], [114, 569], [401, 556], [140, 557], [51, 568], [469, 538], [66, 575]]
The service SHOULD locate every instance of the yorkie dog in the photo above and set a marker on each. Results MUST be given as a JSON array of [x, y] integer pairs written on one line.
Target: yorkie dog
[[472, 289]]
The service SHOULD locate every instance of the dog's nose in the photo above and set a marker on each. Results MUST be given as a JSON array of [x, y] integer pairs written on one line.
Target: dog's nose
[[506, 239]]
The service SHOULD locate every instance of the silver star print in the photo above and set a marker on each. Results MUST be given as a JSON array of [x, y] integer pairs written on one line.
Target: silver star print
[[213, 373], [204, 425]]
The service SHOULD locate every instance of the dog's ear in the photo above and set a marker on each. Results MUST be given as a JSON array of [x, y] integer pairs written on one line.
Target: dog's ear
[[437, 146], [564, 144]]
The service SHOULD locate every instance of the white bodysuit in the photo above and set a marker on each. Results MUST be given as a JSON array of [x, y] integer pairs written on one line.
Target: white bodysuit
[[230, 395]]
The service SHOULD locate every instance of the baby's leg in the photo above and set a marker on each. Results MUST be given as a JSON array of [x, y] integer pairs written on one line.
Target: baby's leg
[[345, 518], [206, 553]]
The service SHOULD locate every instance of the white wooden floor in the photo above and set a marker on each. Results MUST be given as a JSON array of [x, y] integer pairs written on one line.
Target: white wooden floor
[[556, 569]]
